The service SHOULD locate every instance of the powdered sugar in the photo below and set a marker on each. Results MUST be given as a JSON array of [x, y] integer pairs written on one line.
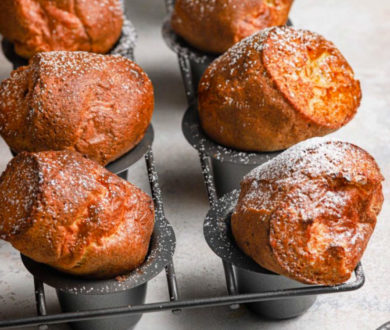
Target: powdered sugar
[[304, 173], [314, 157]]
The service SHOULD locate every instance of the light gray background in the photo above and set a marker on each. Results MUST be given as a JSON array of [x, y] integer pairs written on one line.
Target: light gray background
[[361, 30]]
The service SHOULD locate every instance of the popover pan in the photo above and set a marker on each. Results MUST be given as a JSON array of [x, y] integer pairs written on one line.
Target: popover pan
[[79, 294], [251, 278]]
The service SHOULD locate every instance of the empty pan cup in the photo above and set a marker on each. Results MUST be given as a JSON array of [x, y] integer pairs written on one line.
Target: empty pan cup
[[193, 62], [79, 294], [228, 165], [249, 276], [124, 46]]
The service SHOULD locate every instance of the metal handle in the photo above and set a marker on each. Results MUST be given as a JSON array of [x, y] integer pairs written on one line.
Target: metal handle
[[186, 304]]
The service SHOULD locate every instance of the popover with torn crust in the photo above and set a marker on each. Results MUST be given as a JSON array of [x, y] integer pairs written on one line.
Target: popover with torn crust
[[64, 210], [214, 26], [98, 105], [35, 26], [309, 213], [275, 89]]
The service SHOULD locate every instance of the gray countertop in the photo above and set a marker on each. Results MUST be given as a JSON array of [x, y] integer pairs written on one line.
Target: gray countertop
[[361, 30]]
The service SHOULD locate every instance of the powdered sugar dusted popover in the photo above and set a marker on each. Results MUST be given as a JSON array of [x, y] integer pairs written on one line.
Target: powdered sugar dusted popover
[[276, 88], [216, 25], [45, 25], [98, 105], [64, 210], [308, 214]]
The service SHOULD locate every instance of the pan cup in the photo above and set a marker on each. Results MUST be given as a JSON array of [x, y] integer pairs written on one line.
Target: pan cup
[[79, 294], [124, 46], [262, 281], [228, 165], [249, 276], [72, 303]]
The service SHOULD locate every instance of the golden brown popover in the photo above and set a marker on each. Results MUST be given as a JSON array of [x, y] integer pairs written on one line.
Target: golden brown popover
[[214, 26], [64, 210], [308, 214], [276, 88], [35, 26], [98, 105]]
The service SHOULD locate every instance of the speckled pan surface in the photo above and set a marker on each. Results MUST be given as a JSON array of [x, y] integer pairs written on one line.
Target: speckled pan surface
[[124, 162], [180, 46], [124, 46], [217, 232], [200, 141], [161, 250]]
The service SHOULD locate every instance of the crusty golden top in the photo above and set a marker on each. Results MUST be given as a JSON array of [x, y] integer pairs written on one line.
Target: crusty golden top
[[312, 75], [216, 25], [275, 89], [309, 213], [64, 210], [98, 105], [45, 25]]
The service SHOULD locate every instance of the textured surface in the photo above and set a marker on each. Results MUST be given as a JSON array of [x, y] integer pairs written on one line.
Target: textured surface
[[44, 25], [215, 25], [276, 88], [360, 31], [309, 212], [64, 210], [98, 105]]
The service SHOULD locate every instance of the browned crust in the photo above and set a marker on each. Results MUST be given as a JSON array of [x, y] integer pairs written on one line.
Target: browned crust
[[249, 98], [67, 211], [97, 105], [215, 26], [44, 25], [309, 213]]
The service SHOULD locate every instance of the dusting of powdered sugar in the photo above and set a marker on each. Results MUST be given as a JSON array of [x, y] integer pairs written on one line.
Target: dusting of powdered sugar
[[246, 52], [314, 157], [303, 174], [246, 58], [78, 63], [206, 8]]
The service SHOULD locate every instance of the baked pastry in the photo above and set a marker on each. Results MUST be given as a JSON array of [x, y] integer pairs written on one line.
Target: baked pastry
[[308, 214], [98, 105], [67, 211], [44, 25], [215, 26], [276, 88]]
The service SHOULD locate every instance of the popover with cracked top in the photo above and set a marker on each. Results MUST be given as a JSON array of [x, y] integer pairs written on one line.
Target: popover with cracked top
[[309, 213], [275, 89], [64, 210]]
